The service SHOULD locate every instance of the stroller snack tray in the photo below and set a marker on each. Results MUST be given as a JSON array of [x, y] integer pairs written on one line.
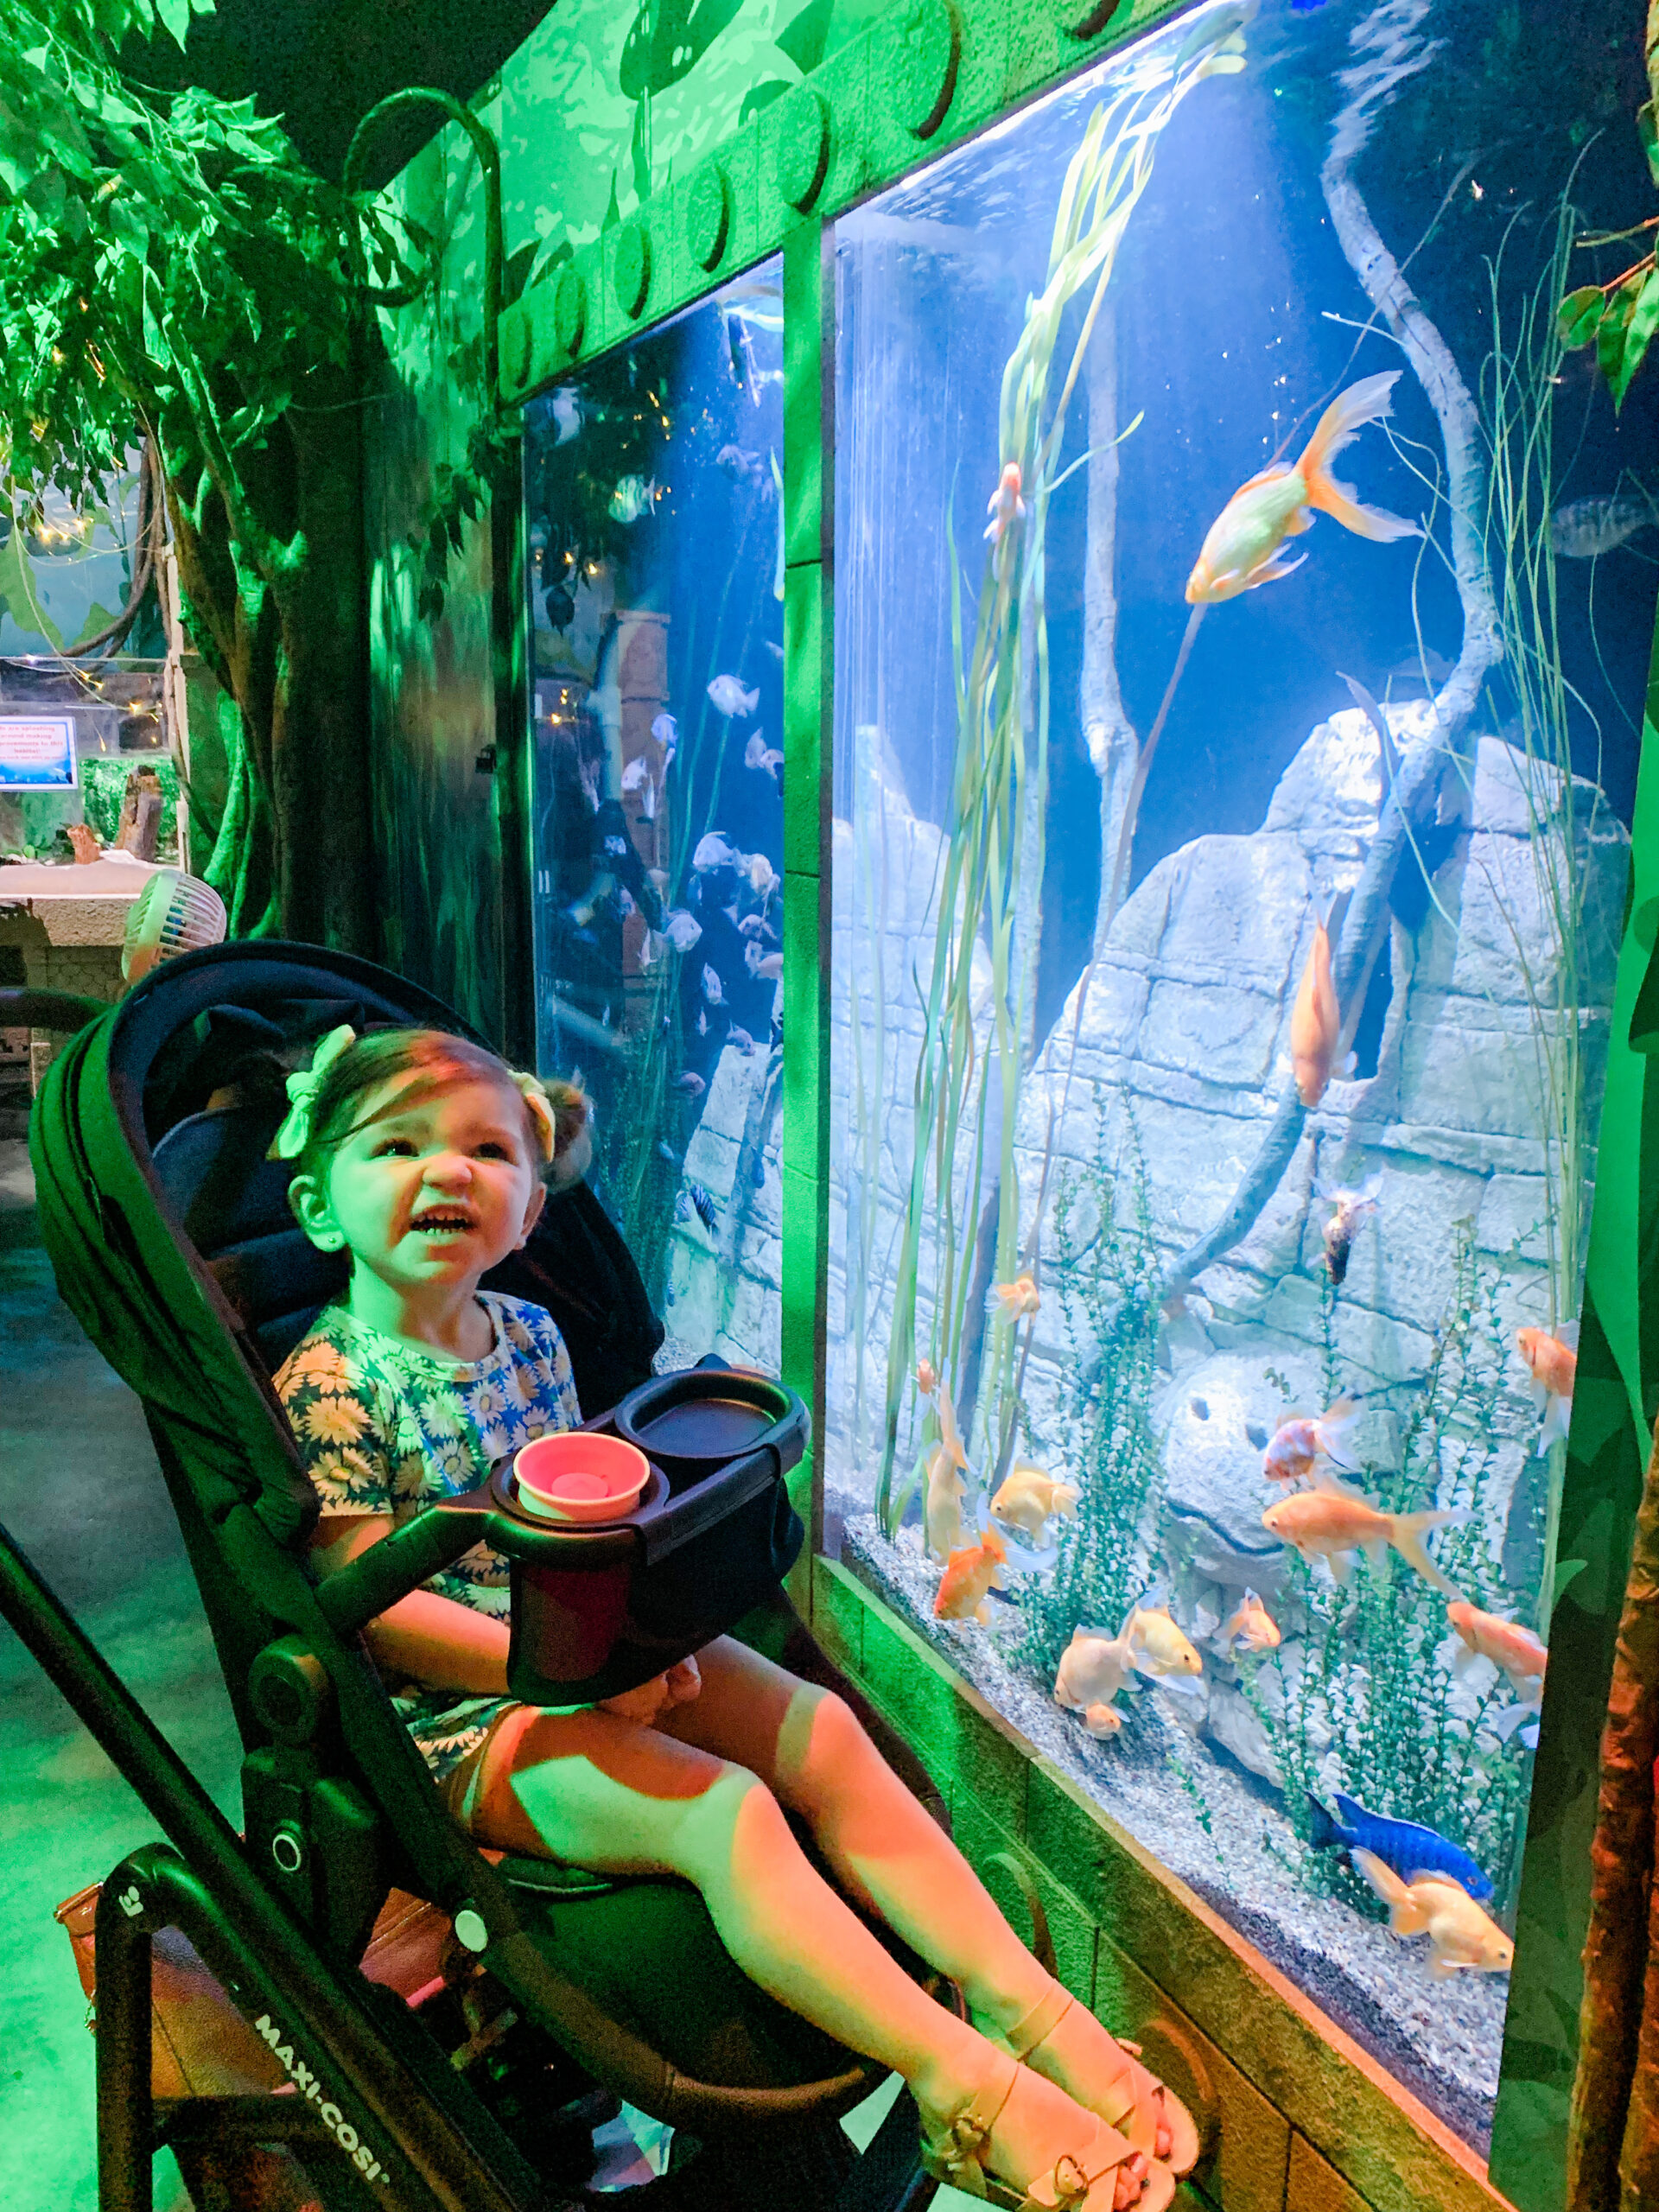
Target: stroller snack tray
[[601, 1607]]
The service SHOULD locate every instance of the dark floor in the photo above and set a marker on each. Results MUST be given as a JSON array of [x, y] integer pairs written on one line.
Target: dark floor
[[80, 1492]]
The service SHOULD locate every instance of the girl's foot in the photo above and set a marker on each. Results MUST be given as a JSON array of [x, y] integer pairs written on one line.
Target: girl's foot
[[1062, 2040], [1018, 2140]]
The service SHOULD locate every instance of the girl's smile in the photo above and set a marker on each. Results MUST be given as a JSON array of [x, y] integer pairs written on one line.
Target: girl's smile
[[426, 1197]]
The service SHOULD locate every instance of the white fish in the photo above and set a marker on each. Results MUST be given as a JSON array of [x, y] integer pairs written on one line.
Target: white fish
[[682, 930], [763, 877], [666, 731], [716, 851], [755, 925], [623, 904], [757, 753], [730, 698], [651, 950], [637, 773], [567, 413], [658, 878], [942, 1515], [633, 497], [1093, 1669], [766, 966], [712, 988]]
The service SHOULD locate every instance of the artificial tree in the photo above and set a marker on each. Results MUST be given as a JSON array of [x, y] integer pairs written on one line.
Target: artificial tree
[[170, 271]]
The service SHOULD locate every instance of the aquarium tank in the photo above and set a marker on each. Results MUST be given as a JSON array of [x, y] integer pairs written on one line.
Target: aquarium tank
[[1243, 595], [655, 572]]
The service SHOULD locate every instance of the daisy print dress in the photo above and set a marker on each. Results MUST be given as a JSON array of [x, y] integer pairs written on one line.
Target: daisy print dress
[[385, 1425]]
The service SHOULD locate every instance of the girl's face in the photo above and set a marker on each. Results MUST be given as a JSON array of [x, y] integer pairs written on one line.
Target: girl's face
[[429, 1195]]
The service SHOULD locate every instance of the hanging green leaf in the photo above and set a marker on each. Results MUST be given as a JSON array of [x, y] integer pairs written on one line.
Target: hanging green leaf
[[1644, 321], [19, 596], [1645, 127], [1578, 314]]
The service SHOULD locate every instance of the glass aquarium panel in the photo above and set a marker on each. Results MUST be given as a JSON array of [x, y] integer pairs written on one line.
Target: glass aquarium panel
[[655, 574], [1242, 611]]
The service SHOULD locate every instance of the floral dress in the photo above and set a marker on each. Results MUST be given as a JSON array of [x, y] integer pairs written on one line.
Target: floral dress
[[385, 1425]]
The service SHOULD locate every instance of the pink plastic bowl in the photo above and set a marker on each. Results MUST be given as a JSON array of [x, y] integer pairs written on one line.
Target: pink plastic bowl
[[576, 1476]]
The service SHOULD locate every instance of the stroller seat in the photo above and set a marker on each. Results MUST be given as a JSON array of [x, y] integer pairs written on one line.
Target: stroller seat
[[171, 1238]]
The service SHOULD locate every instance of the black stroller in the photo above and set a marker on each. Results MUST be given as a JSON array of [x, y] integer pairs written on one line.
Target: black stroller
[[556, 1991]]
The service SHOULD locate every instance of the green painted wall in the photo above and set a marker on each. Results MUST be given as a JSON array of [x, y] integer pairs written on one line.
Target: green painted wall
[[576, 151]]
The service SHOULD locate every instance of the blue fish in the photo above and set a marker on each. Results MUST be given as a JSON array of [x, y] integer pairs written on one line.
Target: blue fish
[[1409, 1849]]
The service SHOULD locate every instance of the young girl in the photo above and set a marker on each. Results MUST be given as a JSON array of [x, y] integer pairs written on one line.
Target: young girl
[[421, 1156]]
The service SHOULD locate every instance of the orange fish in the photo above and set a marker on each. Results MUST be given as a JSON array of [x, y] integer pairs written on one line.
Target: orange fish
[[1315, 1022], [1019, 1299], [1253, 1626], [1299, 1444], [1245, 546], [1506, 1644], [970, 1576], [1553, 1363], [1333, 1524], [926, 1381], [1005, 506]]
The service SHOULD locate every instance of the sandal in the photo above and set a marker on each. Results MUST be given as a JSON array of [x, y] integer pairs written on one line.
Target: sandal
[[958, 2156], [1150, 2102]]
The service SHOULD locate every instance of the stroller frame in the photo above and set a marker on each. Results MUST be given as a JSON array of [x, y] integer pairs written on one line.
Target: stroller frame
[[374, 2102]]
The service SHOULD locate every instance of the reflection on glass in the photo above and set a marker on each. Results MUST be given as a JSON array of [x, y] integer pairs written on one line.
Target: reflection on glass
[[1239, 648], [656, 590]]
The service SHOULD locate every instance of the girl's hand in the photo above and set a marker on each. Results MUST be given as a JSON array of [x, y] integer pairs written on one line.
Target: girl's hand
[[651, 1699]]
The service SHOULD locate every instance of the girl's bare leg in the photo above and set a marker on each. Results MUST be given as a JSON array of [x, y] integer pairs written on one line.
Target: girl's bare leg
[[605, 1792], [807, 1746]]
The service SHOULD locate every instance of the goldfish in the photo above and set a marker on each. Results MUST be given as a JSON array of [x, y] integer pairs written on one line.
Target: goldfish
[[682, 930], [1553, 1363], [1315, 1022], [942, 1513], [1252, 1626], [1406, 1849], [730, 698], [1352, 1207], [926, 1381], [1019, 1299], [950, 1434], [757, 753], [970, 1576], [1159, 1646], [1517, 1650], [1333, 1524], [1005, 506], [1244, 547], [1298, 1444], [1460, 1935], [632, 498], [1102, 1720], [1028, 1496], [1093, 1669]]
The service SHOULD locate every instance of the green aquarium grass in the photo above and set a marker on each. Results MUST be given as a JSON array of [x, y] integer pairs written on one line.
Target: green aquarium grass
[[1374, 1708], [1106, 1273], [969, 1074]]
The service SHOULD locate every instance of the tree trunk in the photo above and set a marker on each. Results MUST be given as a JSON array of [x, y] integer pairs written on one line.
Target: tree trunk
[[1616, 2095], [281, 625]]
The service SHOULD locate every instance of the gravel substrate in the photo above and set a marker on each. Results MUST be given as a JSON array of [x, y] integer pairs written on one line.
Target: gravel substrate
[[1441, 2039]]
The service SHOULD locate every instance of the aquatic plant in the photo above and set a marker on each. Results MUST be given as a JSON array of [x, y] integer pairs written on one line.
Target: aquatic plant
[[968, 1081], [1105, 1279], [1619, 316], [1364, 1699]]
